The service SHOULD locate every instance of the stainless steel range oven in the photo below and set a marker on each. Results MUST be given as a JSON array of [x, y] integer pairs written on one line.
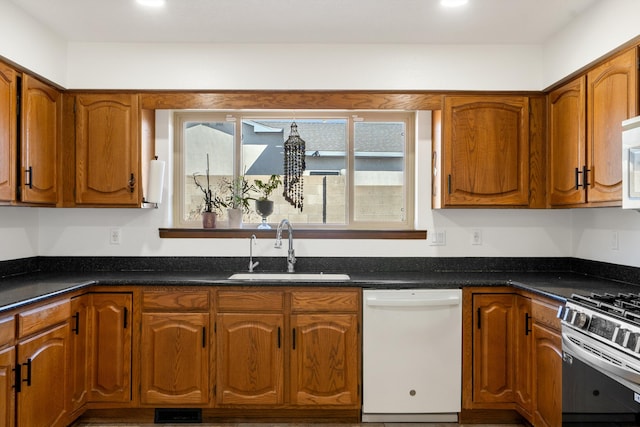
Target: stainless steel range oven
[[601, 360]]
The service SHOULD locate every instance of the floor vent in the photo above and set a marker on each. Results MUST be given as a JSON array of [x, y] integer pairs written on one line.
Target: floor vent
[[178, 415]]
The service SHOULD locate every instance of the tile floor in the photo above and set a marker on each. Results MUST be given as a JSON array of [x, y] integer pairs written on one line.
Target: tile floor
[[298, 425]]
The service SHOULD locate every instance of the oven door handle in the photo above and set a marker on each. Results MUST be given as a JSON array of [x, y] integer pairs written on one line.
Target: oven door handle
[[598, 363]]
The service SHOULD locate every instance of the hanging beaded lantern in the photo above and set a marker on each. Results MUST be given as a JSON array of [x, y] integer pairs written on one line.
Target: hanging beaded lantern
[[294, 165]]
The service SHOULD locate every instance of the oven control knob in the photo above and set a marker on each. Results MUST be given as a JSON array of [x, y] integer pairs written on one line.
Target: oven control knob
[[580, 320], [566, 316]]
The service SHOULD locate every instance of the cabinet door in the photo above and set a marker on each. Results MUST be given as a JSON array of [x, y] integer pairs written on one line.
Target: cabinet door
[[548, 374], [567, 157], [79, 350], [8, 140], [486, 151], [110, 376], [324, 365], [107, 149], [612, 98], [176, 358], [250, 363], [493, 348], [7, 392], [42, 401], [523, 356], [41, 115]]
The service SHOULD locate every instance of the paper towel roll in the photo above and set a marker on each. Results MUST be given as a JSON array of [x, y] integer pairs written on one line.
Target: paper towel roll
[[155, 182]]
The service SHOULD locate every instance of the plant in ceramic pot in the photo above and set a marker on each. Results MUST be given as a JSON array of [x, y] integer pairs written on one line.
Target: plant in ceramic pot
[[264, 206], [237, 201], [212, 204]]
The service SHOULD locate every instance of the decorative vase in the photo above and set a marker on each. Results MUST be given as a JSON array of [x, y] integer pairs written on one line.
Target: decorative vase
[[264, 208], [235, 217], [208, 220]]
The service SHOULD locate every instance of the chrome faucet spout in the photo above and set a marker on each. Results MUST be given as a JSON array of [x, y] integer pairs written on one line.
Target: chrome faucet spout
[[291, 254]]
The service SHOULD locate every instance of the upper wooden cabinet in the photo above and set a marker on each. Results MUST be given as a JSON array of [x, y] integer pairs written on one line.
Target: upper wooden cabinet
[[484, 155], [567, 148], [585, 122], [107, 149], [40, 135], [8, 129]]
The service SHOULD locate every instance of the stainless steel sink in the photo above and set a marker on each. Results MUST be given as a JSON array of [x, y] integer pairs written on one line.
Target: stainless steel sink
[[291, 277]]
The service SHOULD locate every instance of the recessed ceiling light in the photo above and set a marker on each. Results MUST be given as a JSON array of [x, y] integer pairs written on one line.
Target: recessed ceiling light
[[453, 3], [151, 3]]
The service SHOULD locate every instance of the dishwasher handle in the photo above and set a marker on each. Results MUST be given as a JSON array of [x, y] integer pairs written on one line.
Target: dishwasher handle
[[373, 301]]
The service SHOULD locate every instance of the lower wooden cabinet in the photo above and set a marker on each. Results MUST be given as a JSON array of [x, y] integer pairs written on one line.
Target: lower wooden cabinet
[[42, 361], [250, 358], [303, 341], [547, 371], [324, 370], [513, 357], [7, 391], [493, 348], [79, 351], [175, 369], [110, 347]]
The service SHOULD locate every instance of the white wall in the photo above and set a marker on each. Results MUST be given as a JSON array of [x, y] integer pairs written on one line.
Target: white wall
[[602, 28], [26, 42], [19, 232], [505, 232]]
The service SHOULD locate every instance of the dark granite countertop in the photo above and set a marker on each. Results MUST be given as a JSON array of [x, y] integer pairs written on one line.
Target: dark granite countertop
[[24, 289]]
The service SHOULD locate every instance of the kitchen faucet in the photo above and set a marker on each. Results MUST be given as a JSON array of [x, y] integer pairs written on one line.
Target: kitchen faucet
[[252, 265], [291, 255]]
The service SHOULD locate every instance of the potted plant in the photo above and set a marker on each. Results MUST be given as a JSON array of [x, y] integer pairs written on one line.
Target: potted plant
[[237, 201], [264, 206], [212, 204]]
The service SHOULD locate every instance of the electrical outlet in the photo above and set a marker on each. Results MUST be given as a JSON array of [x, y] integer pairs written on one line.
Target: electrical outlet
[[476, 237], [115, 234], [615, 241], [439, 238]]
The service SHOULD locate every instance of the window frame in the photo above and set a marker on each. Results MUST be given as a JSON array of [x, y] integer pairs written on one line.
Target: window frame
[[180, 117]]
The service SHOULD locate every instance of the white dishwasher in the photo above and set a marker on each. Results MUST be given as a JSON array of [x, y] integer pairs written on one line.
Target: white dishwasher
[[412, 355]]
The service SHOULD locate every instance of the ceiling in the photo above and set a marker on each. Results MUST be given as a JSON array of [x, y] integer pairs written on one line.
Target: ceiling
[[306, 21]]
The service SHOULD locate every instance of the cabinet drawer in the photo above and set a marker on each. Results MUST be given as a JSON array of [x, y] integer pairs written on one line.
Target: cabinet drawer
[[7, 330], [326, 299], [42, 317], [546, 313], [160, 300], [238, 300]]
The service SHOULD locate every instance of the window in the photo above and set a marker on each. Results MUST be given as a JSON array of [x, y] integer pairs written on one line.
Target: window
[[358, 174]]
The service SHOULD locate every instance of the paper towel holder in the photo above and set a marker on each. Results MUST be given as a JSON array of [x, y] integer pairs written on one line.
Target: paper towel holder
[[155, 183]]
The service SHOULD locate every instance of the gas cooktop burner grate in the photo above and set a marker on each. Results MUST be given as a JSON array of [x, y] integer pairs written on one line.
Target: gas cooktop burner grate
[[622, 305]]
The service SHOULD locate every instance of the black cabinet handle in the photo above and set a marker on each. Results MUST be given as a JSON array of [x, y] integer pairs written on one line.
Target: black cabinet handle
[[527, 328], [76, 329], [294, 338], [578, 172], [126, 315], [204, 337], [279, 337], [479, 318], [28, 379], [585, 176], [29, 177], [18, 380]]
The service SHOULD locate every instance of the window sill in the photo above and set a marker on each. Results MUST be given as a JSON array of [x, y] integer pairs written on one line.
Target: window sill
[[227, 233]]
